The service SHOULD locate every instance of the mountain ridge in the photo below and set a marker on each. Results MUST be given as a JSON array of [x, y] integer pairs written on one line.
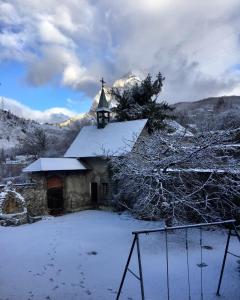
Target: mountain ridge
[[233, 99], [190, 114]]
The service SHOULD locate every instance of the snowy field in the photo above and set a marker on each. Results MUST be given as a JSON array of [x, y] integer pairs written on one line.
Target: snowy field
[[82, 256]]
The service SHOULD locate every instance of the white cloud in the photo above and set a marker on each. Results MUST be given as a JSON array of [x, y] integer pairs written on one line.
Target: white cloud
[[8, 14], [52, 115], [51, 35], [72, 73], [193, 43]]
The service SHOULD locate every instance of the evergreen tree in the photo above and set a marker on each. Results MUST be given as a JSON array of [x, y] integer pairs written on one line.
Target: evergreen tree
[[140, 102]]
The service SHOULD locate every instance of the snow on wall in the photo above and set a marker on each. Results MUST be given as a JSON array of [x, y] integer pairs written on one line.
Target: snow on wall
[[9, 190]]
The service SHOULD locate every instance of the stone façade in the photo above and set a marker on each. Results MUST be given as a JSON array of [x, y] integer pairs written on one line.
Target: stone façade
[[76, 188]]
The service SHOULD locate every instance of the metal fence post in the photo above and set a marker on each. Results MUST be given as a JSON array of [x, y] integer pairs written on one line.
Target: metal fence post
[[140, 268], [126, 267], [224, 261]]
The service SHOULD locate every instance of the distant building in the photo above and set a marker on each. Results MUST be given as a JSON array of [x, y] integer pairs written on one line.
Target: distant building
[[81, 179]]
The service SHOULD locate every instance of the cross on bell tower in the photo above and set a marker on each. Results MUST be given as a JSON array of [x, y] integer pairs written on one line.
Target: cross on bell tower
[[103, 82], [103, 111]]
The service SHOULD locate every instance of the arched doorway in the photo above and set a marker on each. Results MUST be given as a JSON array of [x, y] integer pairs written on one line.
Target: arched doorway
[[55, 195]]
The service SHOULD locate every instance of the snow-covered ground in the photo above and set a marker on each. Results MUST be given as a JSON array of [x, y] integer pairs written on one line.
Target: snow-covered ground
[[82, 256]]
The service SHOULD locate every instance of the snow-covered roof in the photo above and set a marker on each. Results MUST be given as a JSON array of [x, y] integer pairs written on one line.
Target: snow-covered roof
[[54, 164], [115, 139]]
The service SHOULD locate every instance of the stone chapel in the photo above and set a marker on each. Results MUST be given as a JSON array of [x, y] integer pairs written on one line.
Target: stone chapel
[[81, 179]]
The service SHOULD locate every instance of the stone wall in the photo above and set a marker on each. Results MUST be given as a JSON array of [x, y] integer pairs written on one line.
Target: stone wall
[[34, 195], [36, 200], [77, 187], [77, 192]]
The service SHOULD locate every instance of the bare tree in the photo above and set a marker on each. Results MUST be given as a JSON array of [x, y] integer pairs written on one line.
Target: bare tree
[[167, 177], [35, 143]]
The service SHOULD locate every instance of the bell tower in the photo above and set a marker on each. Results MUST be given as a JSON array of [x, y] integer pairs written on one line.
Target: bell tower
[[103, 111]]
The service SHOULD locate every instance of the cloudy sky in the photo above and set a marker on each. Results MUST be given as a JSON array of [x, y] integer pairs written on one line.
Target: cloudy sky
[[53, 52]]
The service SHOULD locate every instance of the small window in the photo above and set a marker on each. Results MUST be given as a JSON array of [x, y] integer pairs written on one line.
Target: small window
[[105, 188]]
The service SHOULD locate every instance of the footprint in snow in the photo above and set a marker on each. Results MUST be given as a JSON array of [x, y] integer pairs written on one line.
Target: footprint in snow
[[50, 265], [112, 291], [92, 253], [207, 247], [31, 295], [202, 265], [58, 271], [56, 287], [88, 292]]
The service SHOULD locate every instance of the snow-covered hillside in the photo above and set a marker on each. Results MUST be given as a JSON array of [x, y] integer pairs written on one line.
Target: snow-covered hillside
[[216, 104], [82, 256], [52, 115], [211, 113], [14, 129]]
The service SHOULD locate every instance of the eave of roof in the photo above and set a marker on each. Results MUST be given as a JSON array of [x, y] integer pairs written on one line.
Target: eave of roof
[[55, 164]]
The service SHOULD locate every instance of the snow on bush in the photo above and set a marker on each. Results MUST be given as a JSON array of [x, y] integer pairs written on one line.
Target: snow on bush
[[166, 177]]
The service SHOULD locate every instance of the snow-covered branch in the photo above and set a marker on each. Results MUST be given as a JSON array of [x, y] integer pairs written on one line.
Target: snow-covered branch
[[168, 177]]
